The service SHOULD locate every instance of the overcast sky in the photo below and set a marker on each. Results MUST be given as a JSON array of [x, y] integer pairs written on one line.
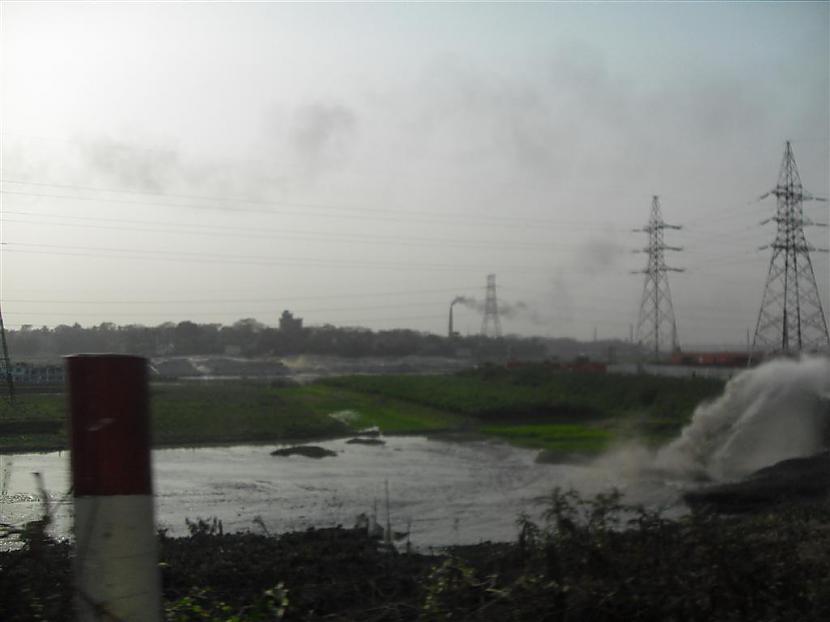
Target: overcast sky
[[362, 164]]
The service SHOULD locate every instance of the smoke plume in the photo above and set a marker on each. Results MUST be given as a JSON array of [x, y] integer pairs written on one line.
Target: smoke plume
[[508, 310], [599, 255], [470, 303]]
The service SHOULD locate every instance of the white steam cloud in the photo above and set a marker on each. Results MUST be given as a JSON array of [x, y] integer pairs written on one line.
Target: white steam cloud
[[776, 411]]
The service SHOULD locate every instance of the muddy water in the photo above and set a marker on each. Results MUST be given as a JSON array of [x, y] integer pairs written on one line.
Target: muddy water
[[449, 493]]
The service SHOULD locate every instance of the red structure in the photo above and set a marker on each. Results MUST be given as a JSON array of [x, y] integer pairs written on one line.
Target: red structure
[[116, 565], [711, 359], [579, 365]]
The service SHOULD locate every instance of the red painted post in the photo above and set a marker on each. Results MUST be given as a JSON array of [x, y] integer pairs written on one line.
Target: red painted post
[[116, 559]]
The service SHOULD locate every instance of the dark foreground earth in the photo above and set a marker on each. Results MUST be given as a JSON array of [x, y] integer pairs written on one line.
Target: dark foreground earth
[[796, 481], [589, 560]]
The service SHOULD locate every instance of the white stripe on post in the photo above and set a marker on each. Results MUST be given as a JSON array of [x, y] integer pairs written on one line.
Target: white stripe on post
[[116, 559]]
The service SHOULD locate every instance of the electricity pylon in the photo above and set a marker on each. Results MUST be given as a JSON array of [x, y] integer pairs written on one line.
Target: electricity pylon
[[656, 324], [491, 325], [791, 319], [7, 365]]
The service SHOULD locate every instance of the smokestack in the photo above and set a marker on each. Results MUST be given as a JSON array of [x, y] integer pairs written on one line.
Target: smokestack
[[455, 300], [449, 333]]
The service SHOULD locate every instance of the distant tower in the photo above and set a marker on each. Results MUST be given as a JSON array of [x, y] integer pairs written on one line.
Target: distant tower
[[491, 325], [5, 361], [656, 325], [791, 319]]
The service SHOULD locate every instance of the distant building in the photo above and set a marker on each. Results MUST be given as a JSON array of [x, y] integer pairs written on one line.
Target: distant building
[[25, 373], [289, 323]]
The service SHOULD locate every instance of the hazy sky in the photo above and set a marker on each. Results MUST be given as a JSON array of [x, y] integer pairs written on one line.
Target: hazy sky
[[361, 164]]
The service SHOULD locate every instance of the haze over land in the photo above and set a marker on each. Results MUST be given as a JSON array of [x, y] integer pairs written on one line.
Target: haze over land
[[366, 164]]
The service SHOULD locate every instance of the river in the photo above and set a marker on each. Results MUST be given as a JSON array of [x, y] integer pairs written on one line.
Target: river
[[443, 492]]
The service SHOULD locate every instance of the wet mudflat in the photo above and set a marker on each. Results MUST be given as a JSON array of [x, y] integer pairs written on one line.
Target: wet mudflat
[[443, 492]]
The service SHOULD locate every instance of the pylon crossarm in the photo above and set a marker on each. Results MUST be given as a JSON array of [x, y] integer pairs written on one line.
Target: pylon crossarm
[[797, 224], [788, 193], [794, 248]]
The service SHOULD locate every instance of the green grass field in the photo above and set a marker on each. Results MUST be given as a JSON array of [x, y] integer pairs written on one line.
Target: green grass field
[[554, 436], [560, 412], [497, 393], [233, 412], [538, 407]]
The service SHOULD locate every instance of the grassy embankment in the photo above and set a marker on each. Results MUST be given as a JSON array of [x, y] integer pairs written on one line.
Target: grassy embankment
[[558, 412], [532, 407]]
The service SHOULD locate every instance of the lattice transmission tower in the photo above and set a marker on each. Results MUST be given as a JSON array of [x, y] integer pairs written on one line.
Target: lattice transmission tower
[[791, 319], [5, 361], [491, 325], [656, 324]]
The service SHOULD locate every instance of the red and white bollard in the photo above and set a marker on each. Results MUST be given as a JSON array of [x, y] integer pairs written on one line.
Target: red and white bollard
[[116, 559]]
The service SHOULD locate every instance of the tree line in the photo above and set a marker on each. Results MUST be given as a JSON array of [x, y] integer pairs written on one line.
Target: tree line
[[248, 337]]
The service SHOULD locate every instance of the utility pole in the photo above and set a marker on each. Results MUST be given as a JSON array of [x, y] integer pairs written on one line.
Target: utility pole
[[656, 323], [7, 364], [791, 319], [491, 325], [116, 567]]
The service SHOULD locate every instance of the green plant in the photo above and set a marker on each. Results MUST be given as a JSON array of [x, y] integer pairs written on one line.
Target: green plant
[[202, 606]]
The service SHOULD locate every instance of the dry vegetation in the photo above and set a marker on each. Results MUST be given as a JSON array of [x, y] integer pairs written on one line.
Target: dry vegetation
[[589, 560]]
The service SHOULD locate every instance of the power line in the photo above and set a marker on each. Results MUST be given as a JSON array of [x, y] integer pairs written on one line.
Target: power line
[[465, 218], [183, 257], [215, 313], [263, 300], [360, 319], [179, 256], [220, 231]]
